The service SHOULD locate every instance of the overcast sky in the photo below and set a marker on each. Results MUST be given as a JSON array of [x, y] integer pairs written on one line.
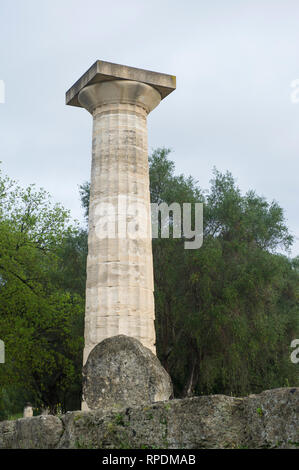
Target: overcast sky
[[234, 61]]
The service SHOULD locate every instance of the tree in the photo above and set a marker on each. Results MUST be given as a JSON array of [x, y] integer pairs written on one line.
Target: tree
[[41, 319], [226, 313]]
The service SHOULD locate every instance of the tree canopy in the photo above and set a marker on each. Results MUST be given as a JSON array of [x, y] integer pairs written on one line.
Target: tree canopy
[[41, 301], [226, 313]]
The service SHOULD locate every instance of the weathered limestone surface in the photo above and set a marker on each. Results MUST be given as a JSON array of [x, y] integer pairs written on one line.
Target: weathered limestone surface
[[119, 287], [121, 372], [267, 420], [38, 432], [278, 425], [102, 71]]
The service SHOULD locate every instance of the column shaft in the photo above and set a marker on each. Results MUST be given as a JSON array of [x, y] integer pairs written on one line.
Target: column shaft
[[119, 289]]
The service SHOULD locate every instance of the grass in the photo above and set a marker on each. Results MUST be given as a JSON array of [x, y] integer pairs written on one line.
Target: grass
[[15, 416]]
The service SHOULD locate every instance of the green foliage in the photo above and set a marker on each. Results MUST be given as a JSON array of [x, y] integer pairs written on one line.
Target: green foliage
[[226, 313], [260, 411], [84, 190], [41, 319]]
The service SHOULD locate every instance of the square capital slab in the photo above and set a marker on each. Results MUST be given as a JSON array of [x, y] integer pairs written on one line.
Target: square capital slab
[[102, 71]]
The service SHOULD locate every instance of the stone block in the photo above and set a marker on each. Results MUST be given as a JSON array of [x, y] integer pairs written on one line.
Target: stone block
[[121, 372]]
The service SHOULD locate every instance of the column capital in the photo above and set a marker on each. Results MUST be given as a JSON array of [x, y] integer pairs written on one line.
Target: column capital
[[119, 92], [102, 71]]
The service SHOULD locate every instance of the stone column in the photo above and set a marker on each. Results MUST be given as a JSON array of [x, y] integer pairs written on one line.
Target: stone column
[[119, 288], [28, 411]]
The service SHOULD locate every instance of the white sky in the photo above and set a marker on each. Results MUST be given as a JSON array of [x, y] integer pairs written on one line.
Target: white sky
[[234, 61]]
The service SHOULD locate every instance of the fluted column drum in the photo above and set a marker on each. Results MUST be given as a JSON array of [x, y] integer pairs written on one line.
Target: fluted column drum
[[119, 288]]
